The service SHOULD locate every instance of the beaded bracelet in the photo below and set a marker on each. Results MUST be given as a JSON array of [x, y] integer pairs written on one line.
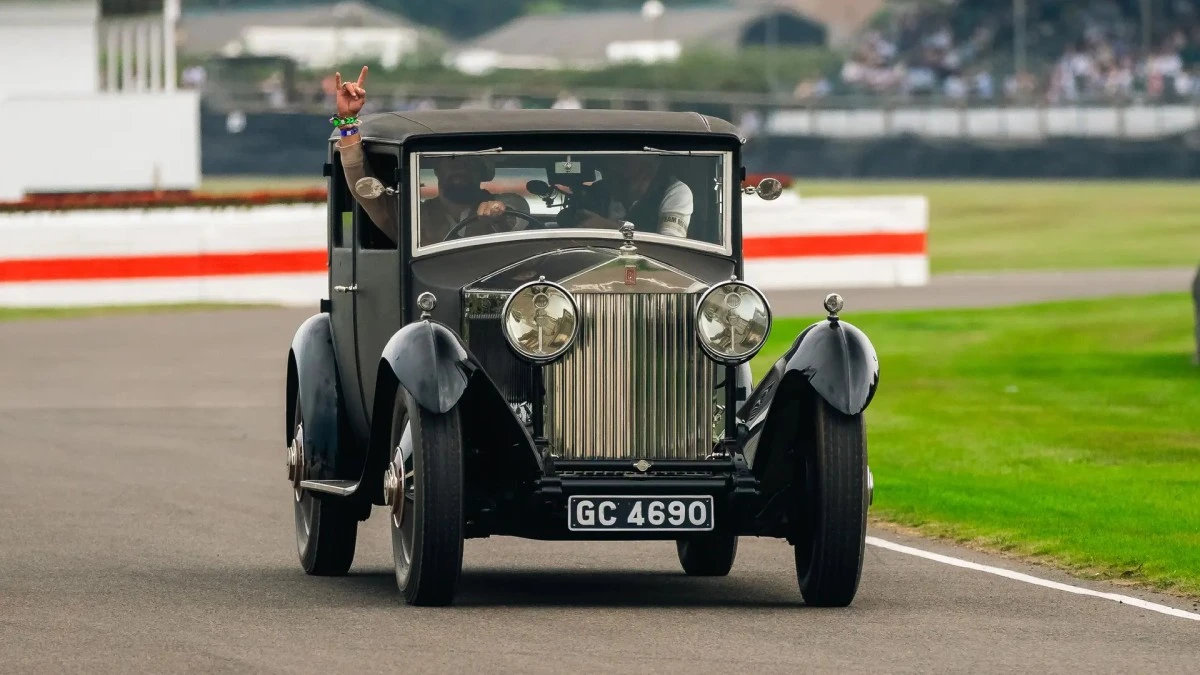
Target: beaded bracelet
[[342, 121]]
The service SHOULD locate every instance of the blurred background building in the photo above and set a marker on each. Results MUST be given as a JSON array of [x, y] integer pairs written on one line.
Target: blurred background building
[[841, 87], [94, 82]]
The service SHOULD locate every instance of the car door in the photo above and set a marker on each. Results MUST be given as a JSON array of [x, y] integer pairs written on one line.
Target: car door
[[380, 299], [342, 293]]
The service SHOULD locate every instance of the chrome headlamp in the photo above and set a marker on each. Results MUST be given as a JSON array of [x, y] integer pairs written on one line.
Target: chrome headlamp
[[732, 322], [540, 321]]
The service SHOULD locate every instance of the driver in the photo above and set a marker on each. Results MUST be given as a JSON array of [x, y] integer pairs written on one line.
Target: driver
[[637, 189], [460, 194]]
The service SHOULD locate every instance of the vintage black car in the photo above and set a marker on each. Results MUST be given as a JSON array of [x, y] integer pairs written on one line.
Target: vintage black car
[[553, 376]]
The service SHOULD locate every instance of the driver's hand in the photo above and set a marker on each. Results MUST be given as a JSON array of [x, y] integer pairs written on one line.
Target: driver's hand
[[492, 209]]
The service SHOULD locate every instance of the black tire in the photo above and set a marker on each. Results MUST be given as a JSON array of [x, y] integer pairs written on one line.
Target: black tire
[[427, 542], [831, 522], [326, 531], [710, 555]]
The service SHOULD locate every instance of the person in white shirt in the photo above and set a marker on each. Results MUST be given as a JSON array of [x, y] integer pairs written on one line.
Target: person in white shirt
[[636, 189]]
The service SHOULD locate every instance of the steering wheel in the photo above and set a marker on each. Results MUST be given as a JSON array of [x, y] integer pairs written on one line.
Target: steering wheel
[[475, 216]]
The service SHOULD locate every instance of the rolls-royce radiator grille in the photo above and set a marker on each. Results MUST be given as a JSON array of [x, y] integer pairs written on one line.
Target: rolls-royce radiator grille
[[635, 384]]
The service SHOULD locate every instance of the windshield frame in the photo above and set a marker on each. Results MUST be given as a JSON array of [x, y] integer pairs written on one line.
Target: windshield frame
[[725, 200]]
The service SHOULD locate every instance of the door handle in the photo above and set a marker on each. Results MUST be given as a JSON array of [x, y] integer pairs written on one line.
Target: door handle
[[352, 288]]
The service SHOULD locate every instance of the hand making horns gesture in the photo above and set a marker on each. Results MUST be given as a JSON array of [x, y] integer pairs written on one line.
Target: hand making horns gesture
[[350, 95]]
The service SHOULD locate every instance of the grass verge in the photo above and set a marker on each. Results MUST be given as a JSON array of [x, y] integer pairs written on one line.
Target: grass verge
[[1014, 225], [1065, 432]]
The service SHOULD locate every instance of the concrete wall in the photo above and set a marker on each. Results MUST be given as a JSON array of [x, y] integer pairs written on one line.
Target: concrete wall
[[89, 132], [278, 253], [1023, 123], [103, 142], [48, 48]]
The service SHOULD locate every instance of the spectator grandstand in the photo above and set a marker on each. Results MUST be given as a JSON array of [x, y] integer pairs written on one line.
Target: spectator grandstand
[[1072, 51]]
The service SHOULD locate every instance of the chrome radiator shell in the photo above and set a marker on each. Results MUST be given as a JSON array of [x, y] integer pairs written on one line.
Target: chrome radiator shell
[[635, 384]]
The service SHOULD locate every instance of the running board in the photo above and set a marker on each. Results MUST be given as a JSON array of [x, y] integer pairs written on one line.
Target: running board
[[341, 488]]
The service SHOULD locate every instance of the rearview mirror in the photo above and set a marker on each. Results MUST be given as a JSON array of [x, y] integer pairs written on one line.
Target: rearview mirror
[[770, 188], [370, 188]]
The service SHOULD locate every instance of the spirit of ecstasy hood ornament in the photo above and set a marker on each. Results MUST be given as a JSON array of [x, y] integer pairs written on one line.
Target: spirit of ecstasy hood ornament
[[628, 250], [627, 232]]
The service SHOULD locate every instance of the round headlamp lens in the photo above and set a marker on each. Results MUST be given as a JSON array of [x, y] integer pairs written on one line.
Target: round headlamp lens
[[540, 321], [732, 322]]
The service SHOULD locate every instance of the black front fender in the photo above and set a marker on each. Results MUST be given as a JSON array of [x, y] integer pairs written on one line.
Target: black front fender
[[431, 363], [839, 362], [833, 360]]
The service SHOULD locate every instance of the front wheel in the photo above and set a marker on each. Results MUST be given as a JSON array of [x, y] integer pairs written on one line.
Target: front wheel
[[830, 523], [424, 490]]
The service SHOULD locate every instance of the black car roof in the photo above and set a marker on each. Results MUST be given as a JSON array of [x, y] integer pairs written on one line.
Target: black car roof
[[403, 125]]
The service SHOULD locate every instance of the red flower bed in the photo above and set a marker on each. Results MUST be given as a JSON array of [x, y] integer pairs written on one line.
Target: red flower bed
[[754, 178], [163, 199]]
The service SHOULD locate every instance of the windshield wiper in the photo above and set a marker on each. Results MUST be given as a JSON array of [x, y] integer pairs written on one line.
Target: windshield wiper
[[659, 151], [491, 151]]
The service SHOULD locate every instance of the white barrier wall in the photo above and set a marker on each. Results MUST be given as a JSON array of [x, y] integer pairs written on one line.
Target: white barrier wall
[[277, 254], [103, 142]]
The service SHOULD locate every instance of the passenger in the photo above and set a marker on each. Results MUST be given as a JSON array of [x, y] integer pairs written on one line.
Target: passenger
[[637, 189], [459, 191]]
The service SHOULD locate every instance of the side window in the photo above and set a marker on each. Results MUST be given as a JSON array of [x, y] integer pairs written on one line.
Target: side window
[[370, 235], [342, 222]]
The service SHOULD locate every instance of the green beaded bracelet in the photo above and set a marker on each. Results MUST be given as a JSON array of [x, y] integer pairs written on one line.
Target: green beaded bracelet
[[340, 121]]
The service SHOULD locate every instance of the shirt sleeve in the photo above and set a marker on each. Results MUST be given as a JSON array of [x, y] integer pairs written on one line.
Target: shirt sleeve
[[382, 209], [675, 211]]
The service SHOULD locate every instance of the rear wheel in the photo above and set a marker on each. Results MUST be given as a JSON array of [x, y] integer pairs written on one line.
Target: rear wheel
[[830, 525], [709, 555], [424, 489], [326, 531]]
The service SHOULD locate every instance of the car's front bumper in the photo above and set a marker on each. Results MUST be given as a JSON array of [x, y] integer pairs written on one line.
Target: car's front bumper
[[732, 488]]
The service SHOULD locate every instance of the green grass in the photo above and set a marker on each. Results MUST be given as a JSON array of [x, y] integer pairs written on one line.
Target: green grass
[[1068, 432], [20, 313], [1011, 225]]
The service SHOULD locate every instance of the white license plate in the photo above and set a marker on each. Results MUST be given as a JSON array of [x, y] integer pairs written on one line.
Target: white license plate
[[638, 513]]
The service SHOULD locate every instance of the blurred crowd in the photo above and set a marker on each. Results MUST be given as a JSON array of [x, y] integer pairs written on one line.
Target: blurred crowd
[[1108, 59], [918, 53], [1078, 51]]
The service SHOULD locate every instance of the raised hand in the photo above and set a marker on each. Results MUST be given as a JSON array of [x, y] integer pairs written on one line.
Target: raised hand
[[350, 95]]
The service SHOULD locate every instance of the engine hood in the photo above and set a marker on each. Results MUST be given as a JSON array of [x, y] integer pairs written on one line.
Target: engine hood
[[592, 270]]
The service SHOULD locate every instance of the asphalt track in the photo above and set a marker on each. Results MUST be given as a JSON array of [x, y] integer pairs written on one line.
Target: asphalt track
[[145, 526]]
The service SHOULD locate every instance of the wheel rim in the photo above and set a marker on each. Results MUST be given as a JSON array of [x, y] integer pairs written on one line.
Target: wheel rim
[[303, 502], [400, 492]]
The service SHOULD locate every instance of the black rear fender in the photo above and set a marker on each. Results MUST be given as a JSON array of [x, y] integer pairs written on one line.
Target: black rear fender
[[313, 385]]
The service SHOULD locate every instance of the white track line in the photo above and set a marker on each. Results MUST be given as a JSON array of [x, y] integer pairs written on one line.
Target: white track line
[[1009, 574]]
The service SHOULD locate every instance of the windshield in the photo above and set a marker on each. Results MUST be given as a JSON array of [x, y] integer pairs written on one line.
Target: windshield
[[513, 195]]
